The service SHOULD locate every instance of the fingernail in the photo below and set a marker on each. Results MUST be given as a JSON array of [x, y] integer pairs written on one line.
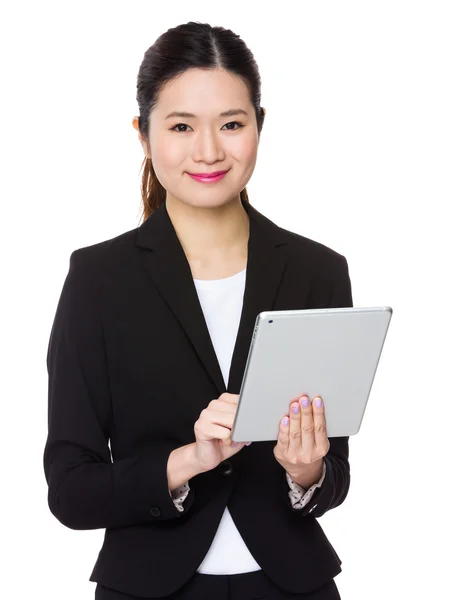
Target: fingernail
[[305, 402], [285, 421], [318, 402], [296, 409], [248, 444]]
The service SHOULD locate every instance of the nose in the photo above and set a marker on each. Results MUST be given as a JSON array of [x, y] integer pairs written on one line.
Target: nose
[[207, 147]]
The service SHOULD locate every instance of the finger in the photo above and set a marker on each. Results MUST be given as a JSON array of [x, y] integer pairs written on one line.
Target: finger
[[307, 427], [225, 436], [225, 413], [283, 437], [237, 444], [319, 419], [225, 405], [230, 398], [295, 443], [282, 446], [220, 433], [218, 424]]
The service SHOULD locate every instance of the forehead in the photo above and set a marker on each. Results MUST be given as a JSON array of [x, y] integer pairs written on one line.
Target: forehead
[[203, 93]]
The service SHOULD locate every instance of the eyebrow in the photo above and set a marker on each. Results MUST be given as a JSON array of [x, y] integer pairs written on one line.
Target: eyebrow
[[228, 113]]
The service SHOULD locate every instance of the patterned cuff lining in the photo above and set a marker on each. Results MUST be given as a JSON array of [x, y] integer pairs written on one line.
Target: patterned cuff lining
[[298, 495], [179, 495]]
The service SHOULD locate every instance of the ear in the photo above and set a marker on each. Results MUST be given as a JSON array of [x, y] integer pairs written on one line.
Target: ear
[[143, 142]]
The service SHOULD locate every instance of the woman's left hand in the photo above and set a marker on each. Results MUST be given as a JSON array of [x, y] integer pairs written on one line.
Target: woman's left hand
[[302, 444]]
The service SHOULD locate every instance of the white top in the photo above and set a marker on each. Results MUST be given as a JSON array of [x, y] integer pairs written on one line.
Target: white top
[[221, 301]]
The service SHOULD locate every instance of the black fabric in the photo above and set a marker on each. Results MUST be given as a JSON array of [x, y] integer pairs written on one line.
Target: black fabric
[[131, 364], [241, 586]]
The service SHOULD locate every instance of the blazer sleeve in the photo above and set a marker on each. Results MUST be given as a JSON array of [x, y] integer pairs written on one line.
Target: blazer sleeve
[[86, 489], [335, 486]]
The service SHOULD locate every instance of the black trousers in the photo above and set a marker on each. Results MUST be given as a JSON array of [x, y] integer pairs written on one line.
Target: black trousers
[[241, 586]]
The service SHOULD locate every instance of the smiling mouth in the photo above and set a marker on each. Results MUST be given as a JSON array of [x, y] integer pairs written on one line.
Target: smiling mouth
[[206, 175], [211, 178]]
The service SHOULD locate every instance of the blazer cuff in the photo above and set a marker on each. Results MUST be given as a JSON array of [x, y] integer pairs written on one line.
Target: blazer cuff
[[298, 496]]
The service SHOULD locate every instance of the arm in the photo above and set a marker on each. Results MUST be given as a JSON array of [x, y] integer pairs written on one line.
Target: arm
[[335, 486], [298, 495], [180, 468], [86, 490]]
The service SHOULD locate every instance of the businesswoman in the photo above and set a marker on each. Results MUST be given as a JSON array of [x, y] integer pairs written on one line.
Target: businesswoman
[[148, 348]]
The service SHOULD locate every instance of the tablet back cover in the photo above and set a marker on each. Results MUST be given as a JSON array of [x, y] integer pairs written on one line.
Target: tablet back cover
[[331, 352]]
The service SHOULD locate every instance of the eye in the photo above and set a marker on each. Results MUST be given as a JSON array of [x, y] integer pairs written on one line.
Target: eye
[[230, 123], [235, 123], [179, 125]]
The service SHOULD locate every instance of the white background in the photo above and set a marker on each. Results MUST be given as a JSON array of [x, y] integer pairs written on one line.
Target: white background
[[356, 152]]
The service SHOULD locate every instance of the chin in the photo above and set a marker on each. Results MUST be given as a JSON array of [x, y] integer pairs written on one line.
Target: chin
[[209, 202]]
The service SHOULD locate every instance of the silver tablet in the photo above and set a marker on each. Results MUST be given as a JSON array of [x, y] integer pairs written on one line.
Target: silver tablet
[[333, 352]]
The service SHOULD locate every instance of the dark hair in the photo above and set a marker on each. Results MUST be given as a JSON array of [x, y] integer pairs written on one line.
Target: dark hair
[[191, 45]]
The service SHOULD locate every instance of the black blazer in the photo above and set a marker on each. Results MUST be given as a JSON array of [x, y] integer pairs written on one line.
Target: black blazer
[[130, 361]]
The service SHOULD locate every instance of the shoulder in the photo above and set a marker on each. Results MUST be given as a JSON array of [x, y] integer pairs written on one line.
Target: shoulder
[[317, 272], [101, 259], [320, 260]]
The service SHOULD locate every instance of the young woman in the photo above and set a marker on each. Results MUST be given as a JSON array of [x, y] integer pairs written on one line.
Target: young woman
[[148, 349]]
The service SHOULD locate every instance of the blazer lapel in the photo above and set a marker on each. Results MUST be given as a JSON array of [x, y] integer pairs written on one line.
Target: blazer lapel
[[166, 264]]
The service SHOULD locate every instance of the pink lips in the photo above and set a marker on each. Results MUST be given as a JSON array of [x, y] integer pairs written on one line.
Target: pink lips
[[208, 177]]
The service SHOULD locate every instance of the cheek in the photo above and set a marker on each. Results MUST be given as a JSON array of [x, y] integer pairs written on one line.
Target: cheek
[[248, 156], [168, 155], [246, 149], [252, 154]]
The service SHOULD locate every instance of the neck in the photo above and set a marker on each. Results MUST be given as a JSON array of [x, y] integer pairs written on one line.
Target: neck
[[214, 232]]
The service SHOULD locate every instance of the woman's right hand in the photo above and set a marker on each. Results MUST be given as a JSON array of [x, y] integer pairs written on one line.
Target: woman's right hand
[[213, 432]]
